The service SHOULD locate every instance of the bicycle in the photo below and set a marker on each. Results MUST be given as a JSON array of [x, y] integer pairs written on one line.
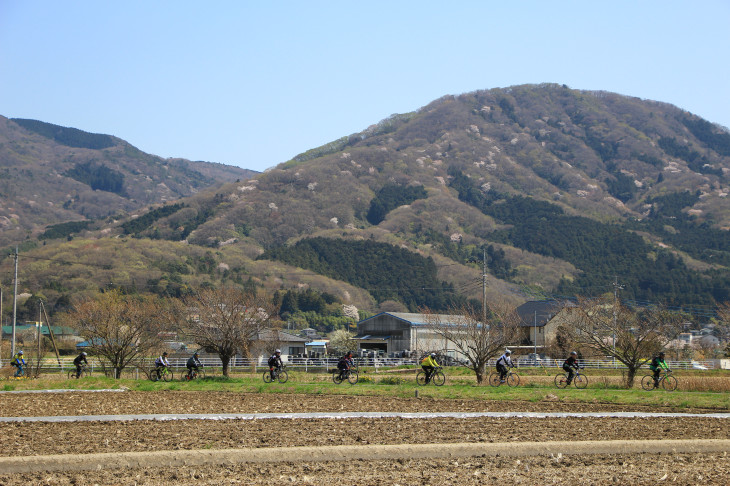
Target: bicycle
[[18, 374], [666, 381], [579, 380], [280, 375], [193, 374], [163, 374], [84, 373], [437, 378], [511, 378], [338, 376]]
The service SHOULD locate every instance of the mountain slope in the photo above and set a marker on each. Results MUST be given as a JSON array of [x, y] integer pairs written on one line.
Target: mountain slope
[[51, 174], [566, 191]]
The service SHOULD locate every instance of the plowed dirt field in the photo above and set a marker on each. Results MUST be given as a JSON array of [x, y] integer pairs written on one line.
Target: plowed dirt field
[[31, 439]]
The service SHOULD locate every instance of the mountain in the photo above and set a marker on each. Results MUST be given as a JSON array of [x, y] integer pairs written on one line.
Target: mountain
[[564, 192], [51, 174]]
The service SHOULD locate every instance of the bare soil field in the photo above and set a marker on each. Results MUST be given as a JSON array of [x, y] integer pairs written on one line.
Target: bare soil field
[[635, 469], [28, 439]]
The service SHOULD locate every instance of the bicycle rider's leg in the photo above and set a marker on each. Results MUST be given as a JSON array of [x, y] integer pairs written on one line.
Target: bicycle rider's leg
[[571, 375], [428, 370], [502, 372], [657, 372], [19, 371]]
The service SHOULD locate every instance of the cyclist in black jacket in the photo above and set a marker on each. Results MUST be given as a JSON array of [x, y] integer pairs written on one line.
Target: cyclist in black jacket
[[275, 363], [570, 365], [193, 363], [81, 358]]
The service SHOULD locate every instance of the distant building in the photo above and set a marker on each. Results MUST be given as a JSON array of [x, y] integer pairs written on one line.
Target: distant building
[[539, 321], [402, 333]]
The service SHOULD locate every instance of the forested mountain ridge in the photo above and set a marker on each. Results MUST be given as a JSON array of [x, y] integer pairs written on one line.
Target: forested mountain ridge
[[566, 191], [51, 174]]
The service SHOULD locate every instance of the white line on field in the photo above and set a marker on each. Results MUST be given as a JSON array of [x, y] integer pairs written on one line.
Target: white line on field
[[357, 415]]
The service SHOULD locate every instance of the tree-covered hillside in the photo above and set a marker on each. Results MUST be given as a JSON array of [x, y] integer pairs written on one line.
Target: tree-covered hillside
[[562, 191]]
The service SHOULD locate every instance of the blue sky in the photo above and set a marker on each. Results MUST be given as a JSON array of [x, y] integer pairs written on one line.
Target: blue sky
[[255, 83]]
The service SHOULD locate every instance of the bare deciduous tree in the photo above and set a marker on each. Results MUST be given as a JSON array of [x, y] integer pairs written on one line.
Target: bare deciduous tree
[[475, 339], [119, 328], [723, 314], [631, 336], [227, 320]]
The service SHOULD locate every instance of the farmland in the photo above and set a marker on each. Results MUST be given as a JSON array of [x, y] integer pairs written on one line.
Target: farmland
[[304, 393]]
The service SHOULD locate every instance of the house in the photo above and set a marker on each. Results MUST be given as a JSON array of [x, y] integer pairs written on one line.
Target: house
[[30, 329], [317, 348], [269, 340], [539, 321], [402, 333]]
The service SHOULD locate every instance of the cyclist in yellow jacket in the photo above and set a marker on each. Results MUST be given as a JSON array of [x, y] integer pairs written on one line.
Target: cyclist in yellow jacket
[[429, 365], [18, 361]]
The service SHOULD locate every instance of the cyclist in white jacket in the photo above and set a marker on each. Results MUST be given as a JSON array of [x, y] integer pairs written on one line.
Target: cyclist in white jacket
[[504, 363]]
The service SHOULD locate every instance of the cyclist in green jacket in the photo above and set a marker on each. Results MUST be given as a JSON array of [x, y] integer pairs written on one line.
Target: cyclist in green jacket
[[657, 365]]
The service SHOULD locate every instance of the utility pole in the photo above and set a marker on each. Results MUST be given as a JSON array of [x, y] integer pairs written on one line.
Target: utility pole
[[484, 288], [15, 304], [484, 284], [616, 288]]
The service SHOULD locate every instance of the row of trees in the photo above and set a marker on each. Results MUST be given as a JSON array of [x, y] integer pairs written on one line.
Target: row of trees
[[595, 327], [121, 329]]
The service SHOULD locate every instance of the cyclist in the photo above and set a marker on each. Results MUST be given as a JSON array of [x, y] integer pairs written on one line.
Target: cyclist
[[193, 363], [81, 358], [429, 365], [656, 365], [345, 363], [570, 365], [19, 362], [275, 363], [504, 363], [161, 364]]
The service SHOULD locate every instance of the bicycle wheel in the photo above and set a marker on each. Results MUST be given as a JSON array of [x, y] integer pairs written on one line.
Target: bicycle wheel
[[647, 383], [561, 381], [267, 377], [283, 376], [153, 375], [72, 375], [494, 379], [167, 375], [669, 383], [580, 381], [200, 375], [352, 377], [336, 377], [438, 378], [513, 379], [421, 378]]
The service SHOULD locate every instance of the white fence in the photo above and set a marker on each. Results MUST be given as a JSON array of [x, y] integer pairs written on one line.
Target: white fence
[[50, 365]]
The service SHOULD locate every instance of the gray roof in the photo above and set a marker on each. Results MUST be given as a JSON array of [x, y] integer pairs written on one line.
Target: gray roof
[[415, 319]]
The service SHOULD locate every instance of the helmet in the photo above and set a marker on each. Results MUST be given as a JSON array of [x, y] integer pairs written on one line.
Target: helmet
[[83, 353], [433, 355], [195, 353], [164, 354], [573, 353], [20, 352], [661, 353], [278, 351], [508, 352]]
